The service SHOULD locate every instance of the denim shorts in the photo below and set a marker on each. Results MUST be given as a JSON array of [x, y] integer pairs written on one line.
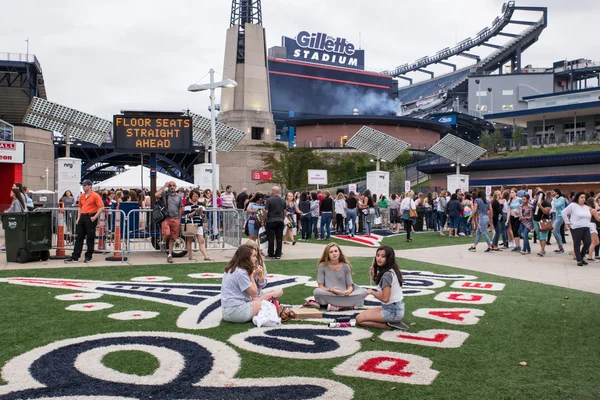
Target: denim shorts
[[393, 312], [238, 314], [252, 228]]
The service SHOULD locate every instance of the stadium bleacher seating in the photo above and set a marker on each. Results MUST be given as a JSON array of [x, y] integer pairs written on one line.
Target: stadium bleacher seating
[[431, 87]]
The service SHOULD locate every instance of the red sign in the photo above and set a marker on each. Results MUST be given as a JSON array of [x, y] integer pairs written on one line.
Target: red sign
[[262, 175]]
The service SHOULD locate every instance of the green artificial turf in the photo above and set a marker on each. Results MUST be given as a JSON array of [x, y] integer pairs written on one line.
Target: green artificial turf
[[132, 362], [535, 323]]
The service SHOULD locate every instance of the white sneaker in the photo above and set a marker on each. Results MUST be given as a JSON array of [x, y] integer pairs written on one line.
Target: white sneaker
[[594, 260], [462, 234]]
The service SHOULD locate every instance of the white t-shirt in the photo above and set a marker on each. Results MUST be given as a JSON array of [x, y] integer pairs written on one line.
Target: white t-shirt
[[408, 203], [576, 215]]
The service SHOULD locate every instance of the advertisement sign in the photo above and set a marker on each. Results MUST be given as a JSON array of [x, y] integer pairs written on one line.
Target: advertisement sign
[[378, 182], [352, 187], [262, 175], [406, 186], [488, 191], [12, 152], [319, 48], [447, 119], [203, 175], [317, 177], [458, 181], [152, 134], [68, 176]]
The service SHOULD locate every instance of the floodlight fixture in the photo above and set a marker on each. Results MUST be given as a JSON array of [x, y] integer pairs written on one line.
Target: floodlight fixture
[[381, 145], [226, 83], [458, 150]]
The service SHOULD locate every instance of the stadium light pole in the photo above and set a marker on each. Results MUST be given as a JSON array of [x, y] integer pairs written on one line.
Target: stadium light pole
[[227, 83]]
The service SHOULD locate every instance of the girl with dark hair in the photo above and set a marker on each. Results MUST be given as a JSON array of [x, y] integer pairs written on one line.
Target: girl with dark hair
[[367, 207], [351, 203], [255, 204], [18, 204], [193, 213], [336, 290], [314, 214], [480, 211], [558, 230], [240, 286], [515, 203], [387, 275], [305, 221], [326, 215], [453, 210], [577, 217]]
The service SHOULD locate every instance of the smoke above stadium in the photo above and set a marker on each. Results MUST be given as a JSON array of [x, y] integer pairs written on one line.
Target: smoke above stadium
[[368, 103]]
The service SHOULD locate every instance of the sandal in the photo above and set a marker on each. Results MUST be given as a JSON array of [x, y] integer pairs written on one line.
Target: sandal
[[193, 259], [208, 259]]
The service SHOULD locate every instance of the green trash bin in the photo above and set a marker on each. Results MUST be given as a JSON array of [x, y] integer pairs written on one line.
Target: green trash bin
[[28, 236]]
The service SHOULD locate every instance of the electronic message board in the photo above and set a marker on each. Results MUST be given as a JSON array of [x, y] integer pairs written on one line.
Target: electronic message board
[[152, 134]]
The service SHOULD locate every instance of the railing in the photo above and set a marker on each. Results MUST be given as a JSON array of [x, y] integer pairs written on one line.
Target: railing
[[21, 57], [119, 234]]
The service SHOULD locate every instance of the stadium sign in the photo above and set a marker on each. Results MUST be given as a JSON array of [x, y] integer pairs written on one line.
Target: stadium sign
[[319, 48], [12, 152], [447, 119], [152, 133]]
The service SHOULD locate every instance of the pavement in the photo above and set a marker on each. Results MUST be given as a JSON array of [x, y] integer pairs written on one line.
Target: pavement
[[558, 270]]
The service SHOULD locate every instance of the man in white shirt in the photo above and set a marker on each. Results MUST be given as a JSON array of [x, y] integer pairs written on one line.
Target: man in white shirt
[[228, 198]]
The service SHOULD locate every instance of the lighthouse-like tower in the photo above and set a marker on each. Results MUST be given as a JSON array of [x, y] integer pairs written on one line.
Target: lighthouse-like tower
[[247, 106]]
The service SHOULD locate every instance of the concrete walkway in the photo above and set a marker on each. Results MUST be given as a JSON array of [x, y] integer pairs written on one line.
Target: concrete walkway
[[558, 270]]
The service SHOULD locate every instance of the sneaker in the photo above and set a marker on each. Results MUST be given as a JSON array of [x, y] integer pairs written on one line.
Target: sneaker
[[488, 250], [87, 260], [278, 258], [398, 325], [515, 249], [541, 253], [580, 264], [462, 234], [170, 259], [584, 262], [523, 252], [71, 261], [594, 260], [331, 307], [473, 249], [559, 251]]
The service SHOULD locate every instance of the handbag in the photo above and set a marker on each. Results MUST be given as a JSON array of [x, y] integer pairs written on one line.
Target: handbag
[[289, 222], [159, 213], [188, 229], [546, 225], [365, 211], [246, 230], [262, 238], [412, 213]]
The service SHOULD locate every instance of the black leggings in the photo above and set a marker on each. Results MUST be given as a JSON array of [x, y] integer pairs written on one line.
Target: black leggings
[[515, 223], [408, 227], [339, 223], [581, 235]]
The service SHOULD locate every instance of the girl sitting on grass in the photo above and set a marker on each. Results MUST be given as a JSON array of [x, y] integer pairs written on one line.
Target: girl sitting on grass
[[388, 277], [242, 282]]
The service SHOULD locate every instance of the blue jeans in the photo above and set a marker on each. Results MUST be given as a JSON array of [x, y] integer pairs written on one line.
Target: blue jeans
[[441, 219], [351, 216], [466, 227], [482, 225], [500, 230], [315, 226], [558, 221], [524, 233], [326, 224]]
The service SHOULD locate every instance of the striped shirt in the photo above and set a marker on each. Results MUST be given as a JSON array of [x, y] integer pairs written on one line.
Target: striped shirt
[[197, 217], [228, 200]]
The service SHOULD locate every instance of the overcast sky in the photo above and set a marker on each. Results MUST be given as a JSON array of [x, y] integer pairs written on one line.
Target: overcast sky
[[104, 56]]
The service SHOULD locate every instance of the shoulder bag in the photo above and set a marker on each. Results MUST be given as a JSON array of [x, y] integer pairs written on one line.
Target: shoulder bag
[[545, 224], [159, 213]]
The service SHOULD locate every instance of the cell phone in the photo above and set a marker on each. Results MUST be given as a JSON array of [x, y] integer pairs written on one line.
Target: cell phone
[[343, 319]]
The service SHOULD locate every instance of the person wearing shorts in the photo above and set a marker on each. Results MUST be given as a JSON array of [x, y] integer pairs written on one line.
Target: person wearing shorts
[[386, 273], [171, 225]]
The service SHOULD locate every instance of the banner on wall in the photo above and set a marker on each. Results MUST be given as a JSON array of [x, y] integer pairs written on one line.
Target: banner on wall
[[458, 181]]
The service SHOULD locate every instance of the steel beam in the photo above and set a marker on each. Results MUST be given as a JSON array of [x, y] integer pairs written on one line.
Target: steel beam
[[426, 72], [511, 35], [493, 46], [471, 56], [448, 64], [405, 78], [529, 23]]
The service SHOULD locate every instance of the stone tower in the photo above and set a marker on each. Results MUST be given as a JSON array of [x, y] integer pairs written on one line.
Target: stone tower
[[248, 106]]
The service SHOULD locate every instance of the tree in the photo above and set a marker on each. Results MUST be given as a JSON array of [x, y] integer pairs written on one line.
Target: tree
[[290, 166], [518, 137], [497, 140], [485, 141]]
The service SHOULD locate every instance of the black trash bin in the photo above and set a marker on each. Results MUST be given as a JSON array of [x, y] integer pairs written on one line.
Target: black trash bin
[[28, 236], [420, 215]]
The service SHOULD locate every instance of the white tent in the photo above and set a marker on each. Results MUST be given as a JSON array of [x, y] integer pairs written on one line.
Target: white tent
[[132, 179]]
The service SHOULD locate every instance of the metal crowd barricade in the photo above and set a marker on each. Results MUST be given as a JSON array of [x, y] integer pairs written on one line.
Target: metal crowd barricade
[[64, 230]]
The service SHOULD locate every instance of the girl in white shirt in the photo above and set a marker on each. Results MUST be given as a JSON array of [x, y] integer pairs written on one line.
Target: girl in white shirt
[[387, 275], [577, 217]]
